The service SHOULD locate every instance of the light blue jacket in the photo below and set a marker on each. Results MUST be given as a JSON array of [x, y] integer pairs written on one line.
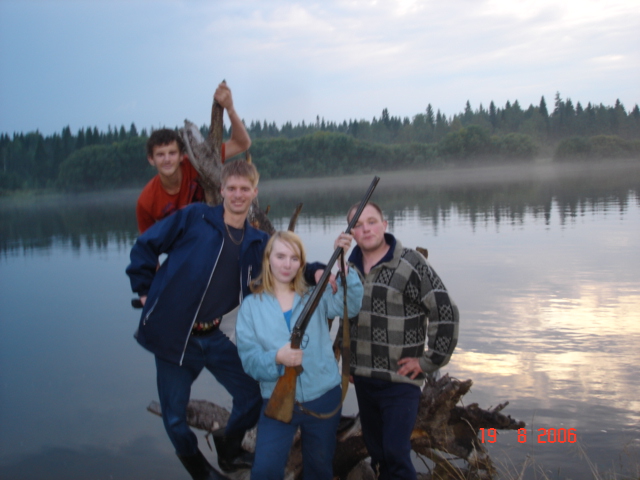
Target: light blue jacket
[[261, 330]]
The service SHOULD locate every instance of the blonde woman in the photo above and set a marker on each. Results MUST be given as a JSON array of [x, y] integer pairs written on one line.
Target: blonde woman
[[263, 330]]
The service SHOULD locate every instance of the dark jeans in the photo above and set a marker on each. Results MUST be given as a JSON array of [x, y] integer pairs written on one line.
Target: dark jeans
[[388, 414], [219, 355], [318, 440]]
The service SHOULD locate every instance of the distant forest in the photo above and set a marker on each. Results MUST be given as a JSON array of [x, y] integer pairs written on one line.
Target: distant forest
[[91, 159]]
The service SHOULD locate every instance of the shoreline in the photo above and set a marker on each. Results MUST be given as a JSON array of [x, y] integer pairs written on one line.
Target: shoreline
[[479, 174], [543, 170]]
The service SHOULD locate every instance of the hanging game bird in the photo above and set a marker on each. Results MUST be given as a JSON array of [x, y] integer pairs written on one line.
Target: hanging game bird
[[206, 157]]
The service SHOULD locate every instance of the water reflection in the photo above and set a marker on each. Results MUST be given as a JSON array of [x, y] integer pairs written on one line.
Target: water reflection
[[497, 195], [93, 220]]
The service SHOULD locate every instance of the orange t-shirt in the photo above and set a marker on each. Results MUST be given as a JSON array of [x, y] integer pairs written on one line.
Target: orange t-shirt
[[155, 203]]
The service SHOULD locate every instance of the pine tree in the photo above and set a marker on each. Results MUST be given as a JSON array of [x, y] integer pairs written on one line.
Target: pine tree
[[68, 142], [431, 119], [543, 109], [384, 118], [80, 139], [493, 115], [88, 136], [468, 114], [558, 116], [41, 162]]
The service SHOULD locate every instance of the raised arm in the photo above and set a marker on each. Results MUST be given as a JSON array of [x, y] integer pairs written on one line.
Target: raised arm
[[240, 140], [355, 291]]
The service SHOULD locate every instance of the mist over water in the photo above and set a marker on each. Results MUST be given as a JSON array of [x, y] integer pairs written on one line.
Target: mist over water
[[542, 261]]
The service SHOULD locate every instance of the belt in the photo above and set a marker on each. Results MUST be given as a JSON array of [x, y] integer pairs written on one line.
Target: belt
[[205, 328]]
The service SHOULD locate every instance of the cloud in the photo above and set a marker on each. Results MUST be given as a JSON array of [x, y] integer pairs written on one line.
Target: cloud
[[289, 61]]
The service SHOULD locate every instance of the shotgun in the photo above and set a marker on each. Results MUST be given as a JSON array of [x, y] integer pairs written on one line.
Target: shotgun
[[280, 406]]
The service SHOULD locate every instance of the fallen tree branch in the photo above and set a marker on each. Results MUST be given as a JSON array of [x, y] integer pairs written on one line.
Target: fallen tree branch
[[445, 432]]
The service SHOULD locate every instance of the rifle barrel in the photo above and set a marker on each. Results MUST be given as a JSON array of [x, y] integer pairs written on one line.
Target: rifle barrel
[[312, 303]]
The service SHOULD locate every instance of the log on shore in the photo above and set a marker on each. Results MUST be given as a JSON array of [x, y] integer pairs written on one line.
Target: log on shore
[[445, 432]]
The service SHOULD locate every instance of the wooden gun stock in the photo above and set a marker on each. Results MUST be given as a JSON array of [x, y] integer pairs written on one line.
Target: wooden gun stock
[[280, 405]]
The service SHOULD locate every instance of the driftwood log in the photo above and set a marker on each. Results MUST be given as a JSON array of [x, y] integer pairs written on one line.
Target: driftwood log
[[445, 432]]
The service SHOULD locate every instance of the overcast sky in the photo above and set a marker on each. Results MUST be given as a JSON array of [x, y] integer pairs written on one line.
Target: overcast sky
[[155, 63]]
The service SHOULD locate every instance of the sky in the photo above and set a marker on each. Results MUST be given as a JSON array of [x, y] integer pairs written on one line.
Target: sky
[[110, 63]]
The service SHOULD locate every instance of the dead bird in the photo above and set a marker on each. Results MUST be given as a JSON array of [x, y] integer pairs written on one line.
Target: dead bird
[[205, 155]]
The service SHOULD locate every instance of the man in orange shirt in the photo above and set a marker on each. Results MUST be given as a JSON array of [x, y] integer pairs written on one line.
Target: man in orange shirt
[[176, 184]]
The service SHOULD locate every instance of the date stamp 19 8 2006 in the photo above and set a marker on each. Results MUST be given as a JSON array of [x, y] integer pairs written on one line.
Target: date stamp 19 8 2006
[[545, 435]]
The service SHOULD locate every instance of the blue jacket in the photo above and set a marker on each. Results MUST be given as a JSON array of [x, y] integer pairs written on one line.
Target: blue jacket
[[261, 330], [192, 238]]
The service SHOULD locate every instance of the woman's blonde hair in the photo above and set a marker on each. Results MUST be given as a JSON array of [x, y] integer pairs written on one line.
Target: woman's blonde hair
[[265, 282]]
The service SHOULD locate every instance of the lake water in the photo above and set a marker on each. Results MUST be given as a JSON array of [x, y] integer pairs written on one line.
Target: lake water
[[542, 260]]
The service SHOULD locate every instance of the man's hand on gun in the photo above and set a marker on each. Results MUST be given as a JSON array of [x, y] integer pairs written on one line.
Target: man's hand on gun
[[344, 240]]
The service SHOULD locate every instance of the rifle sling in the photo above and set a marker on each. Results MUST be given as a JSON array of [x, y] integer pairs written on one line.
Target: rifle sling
[[346, 352]]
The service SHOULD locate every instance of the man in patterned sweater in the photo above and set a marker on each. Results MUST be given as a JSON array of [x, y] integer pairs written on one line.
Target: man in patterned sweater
[[404, 304]]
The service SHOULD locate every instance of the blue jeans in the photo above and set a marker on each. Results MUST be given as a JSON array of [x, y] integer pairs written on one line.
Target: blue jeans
[[318, 440], [388, 413], [220, 356]]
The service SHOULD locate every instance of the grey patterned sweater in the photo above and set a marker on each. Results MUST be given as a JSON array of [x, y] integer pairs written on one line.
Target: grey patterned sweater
[[404, 299]]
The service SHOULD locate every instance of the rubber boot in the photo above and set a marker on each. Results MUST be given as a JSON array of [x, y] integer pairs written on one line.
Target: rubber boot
[[199, 468], [231, 455]]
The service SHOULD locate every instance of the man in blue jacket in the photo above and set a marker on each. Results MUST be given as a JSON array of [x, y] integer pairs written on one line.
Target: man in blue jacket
[[212, 255]]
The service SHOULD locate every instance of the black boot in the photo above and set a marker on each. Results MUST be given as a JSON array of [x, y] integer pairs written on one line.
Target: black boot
[[231, 455], [199, 468]]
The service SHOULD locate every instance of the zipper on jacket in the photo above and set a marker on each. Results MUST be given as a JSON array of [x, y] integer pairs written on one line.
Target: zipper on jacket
[[184, 349], [146, 317], [241, 295]]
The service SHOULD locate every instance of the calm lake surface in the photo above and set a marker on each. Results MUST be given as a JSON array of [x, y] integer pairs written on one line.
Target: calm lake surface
[[542, 260]]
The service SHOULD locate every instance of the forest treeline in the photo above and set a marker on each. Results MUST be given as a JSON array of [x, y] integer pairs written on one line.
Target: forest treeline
[[91, 159]]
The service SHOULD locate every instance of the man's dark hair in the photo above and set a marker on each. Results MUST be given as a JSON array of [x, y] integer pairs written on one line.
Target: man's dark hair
[[163, 136], [355, 206]]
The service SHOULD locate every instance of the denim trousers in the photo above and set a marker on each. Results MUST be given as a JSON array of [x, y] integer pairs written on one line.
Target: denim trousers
[[318, 440], [388, 413], [219, 355]]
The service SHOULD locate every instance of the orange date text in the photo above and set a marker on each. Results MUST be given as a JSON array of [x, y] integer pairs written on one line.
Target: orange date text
[[544, 435]]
